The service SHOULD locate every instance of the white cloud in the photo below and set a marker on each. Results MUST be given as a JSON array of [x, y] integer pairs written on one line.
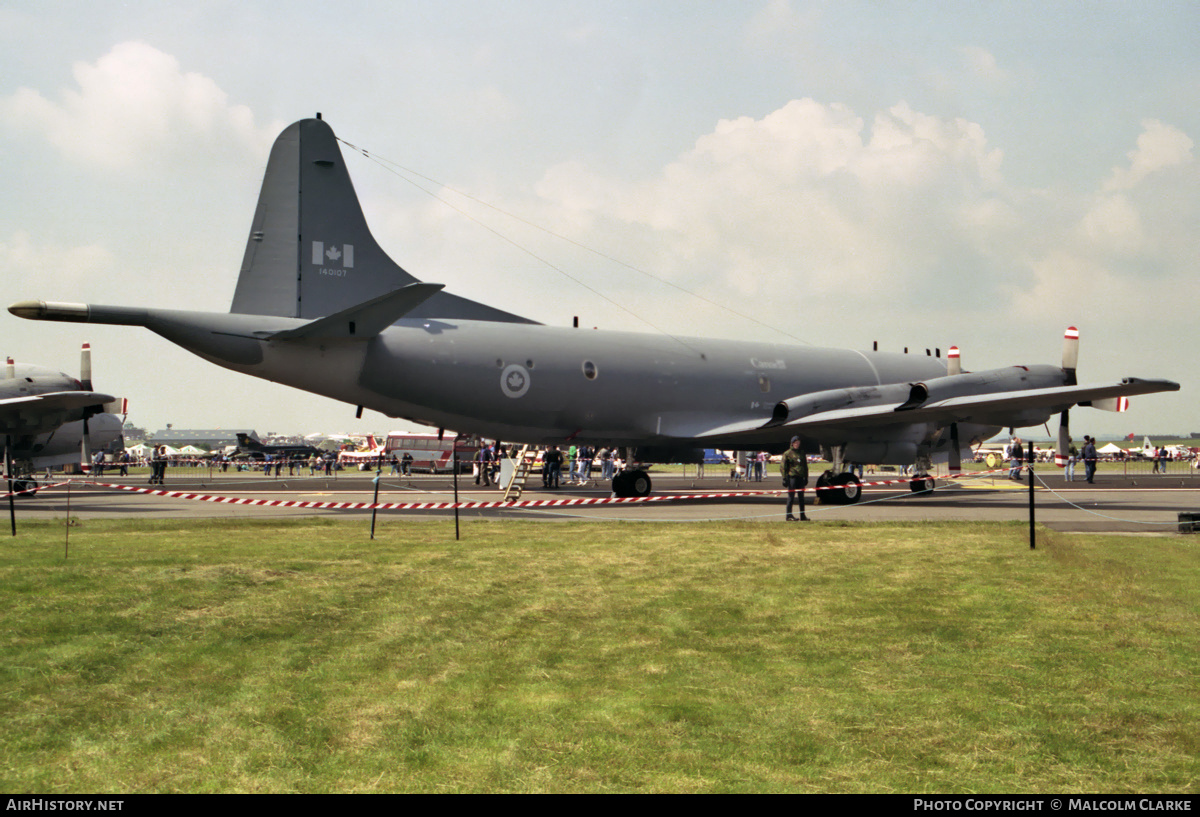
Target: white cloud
[[1158, 147], [982, 63], [1113, 225], [70, 269], [1073, 286], [136, 105], [806, 199], [776, 21]]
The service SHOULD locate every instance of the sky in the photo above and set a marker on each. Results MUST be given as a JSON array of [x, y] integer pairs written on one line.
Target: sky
[[915, 174]]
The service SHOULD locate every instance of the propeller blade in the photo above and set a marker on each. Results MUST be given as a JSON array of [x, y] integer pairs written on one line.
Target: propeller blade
[[1070, 355], [955, 463], [953, 361], [85, 447], [12, 369], [85, 367], [1064, 440]]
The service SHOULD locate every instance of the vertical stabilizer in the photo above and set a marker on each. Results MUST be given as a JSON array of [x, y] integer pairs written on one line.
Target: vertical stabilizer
[[310, 253]]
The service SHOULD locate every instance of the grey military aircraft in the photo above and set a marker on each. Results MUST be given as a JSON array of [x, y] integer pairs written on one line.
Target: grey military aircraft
[[51, 419], [321, 307], [255, 449]]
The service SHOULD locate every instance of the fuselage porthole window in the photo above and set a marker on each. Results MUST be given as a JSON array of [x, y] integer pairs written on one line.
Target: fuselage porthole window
[[589, 370]]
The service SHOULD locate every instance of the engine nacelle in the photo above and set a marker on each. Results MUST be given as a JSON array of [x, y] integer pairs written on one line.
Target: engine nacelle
[[833, 399], [1011, 378]]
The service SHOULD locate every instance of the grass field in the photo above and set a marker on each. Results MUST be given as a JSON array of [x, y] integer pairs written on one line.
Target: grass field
[[301, 657]]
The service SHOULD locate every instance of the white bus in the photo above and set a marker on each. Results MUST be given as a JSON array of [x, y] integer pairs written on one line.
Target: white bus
[[428, 452]]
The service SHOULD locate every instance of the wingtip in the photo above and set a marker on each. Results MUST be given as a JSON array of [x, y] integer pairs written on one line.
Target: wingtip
[[49, 311]]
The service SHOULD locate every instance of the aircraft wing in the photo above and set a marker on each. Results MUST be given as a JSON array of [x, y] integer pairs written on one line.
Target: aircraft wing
[[54, 401], [994, 408], [984, 408], [37, 413]]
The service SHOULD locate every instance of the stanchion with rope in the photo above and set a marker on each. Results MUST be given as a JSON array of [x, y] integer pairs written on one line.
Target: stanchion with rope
[[454, 462], [12, 510], [1032, 540], [375, 502], [67, 526]]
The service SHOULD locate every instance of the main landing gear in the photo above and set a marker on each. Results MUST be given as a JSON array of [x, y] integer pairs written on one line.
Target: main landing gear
[[632, 483], [24, 486], [923, 484], [838, 489], [838, 486]]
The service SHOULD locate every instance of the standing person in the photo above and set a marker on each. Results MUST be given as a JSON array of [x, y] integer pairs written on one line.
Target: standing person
[[553, 460], [1089, 459], [1015, 459], [1072, 455], [158, 468], [484, 459], [583, 466], [795, 477]]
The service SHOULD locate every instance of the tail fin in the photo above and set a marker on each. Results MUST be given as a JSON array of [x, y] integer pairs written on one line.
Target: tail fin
[[310, 252], [247, 442]]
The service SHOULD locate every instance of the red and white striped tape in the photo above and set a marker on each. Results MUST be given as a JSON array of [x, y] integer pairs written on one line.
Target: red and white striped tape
[[438, 506]]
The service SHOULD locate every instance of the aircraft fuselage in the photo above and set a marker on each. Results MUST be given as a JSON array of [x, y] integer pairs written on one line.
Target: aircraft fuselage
[[541, 384]]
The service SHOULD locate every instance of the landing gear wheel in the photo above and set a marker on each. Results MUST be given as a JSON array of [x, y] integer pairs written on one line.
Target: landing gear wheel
[[838, 489], [851, 489], [24, 487], [922, 485], [641, 483], [629, 484]]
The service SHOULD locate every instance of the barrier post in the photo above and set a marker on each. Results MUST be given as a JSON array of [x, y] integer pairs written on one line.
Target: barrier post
[[454, 463], [12, 508], [1032, 540], [375, 502]]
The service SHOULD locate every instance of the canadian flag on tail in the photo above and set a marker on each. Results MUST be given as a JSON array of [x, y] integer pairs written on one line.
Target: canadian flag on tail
[[332, 255]]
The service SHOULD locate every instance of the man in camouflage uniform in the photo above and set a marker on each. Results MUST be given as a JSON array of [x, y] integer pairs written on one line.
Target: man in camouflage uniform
[[795, 477]]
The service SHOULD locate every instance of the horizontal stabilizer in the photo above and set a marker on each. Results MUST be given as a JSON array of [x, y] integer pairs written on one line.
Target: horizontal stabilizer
[[366, 320]]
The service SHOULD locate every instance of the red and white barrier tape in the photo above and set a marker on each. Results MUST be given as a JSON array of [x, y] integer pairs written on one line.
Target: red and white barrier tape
[[438, 506]]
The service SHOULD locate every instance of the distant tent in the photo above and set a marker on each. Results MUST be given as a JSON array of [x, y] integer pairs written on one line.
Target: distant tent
[[1110, 449]]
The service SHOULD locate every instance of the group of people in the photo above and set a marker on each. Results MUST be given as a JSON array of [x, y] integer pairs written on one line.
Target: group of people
[[756, 467], [1088, 455], [403, 465], [99, 463], [577, 462], [158, 465]]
